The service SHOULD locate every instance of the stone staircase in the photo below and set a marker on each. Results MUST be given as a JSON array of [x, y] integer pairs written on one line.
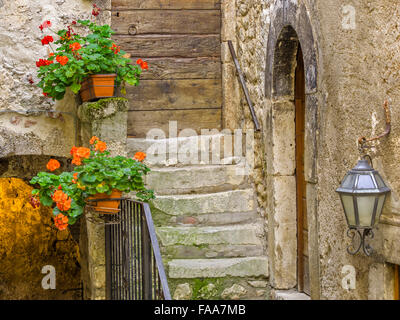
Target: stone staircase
[[210, 234]]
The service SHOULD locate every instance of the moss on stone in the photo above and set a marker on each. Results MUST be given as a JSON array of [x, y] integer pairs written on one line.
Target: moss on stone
[[103, 108], [103, 103], [207, 289]]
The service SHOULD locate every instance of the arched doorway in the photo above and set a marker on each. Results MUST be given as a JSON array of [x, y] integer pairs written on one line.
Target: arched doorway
[[291, 148]]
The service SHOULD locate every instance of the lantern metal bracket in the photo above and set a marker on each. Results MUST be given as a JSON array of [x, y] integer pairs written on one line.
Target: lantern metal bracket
[[362, 235], [363, 141]]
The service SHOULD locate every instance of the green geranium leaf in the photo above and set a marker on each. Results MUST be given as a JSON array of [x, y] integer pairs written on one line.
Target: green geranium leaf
[[75, 87]]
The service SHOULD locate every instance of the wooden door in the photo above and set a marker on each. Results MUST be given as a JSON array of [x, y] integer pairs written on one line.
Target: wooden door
[[397, 282], [180, 39], [302, 228]]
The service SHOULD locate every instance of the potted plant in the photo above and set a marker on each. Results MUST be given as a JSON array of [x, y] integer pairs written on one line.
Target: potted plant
[[91, 64], [96, 175]]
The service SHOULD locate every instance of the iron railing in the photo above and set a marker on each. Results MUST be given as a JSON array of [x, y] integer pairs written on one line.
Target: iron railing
[[134, 267], [243, 84]]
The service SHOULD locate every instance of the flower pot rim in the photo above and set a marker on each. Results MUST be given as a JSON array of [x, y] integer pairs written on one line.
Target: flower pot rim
[[103, 75]]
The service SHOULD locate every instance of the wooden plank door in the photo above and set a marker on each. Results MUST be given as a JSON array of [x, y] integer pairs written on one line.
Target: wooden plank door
[[180, 39], [302, 227], [397, 282]]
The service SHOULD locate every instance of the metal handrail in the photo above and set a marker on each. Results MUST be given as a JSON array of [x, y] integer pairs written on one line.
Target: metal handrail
[[148, 232], [244, 86], [156, 251]]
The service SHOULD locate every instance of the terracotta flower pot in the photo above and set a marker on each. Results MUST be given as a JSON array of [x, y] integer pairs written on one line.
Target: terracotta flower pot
[[98, 86], [106, 206]]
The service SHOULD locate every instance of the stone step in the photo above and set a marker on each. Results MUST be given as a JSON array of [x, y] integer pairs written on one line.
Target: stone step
[[196, 179], [211, 242], [215, 219], [218, 268], [236, 234], [204, 149], [231, 202], [289, 295]]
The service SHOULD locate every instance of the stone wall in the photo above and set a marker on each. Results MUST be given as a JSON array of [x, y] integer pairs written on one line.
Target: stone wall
[[29, 242], [358, 69], [23, 108]]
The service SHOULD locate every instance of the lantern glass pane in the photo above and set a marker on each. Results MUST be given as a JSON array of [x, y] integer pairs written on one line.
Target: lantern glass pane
[[365, 182], [348, 181], [365, 209], [348, 207], [379, 181], [379, 208]]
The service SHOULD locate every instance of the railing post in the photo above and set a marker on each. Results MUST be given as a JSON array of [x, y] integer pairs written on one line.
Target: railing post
[[146, 259]]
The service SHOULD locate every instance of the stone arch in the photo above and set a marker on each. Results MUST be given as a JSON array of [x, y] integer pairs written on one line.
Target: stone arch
[[290, 27]]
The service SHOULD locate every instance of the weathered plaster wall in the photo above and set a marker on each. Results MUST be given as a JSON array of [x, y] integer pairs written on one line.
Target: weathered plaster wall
[[20, 48], [29, 241], [358, 70], [361, 69]]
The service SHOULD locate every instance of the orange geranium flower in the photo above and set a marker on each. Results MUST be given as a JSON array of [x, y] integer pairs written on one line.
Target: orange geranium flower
[[75, 46], [101, 146], [64, 205], [75, 177], [61, 221], [93, 140], [73, 150], [52, 165], [62, 60], [83, 152], [139, 156], [76, 161], [59, 196]]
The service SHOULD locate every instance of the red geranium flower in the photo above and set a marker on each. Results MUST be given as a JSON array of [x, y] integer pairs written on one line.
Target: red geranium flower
[[43, 62], [144, 65], [96, 10], [47, 40], [35, 202], [44, 25]]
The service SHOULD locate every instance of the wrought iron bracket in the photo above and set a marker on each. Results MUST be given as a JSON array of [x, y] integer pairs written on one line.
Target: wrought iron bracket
[[362, 236], [363, 141]]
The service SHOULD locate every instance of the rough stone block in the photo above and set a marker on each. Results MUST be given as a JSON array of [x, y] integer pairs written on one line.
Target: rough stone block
[[283, 138], [183, 292], [235, 292]]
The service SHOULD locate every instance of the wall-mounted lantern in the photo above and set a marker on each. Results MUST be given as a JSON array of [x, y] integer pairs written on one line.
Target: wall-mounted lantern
[[363, 193]]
